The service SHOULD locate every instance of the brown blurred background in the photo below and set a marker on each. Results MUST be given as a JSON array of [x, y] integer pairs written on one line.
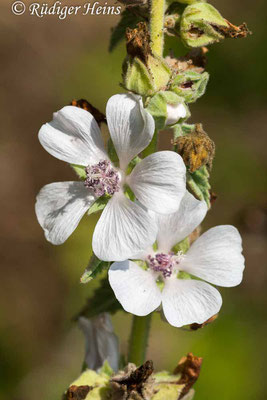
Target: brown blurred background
[[45, 63]]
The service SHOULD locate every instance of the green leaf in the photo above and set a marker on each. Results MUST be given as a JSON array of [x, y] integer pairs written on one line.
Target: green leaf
[[80, 170], [103, 300], [95, 267], [198, 182], [128, 20], [98, 205]]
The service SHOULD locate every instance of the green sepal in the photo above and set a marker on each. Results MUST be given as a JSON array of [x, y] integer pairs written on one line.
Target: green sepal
[[200, 25], [157, 107], [102, 300], [128, 20], [182, 130], [137, 78], [80, 171], [190, 85], [183, 275], [146, 79], [165, 386], [136, 160], [99, 204], [198, 183], [112, 152], [98, 383], [168, 391], [94, 268], [159, 70], [182, 246], [106, 369], [129, 193]]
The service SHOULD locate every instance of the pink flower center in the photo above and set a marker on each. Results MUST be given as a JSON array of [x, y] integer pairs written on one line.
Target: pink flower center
[[102, 178], [163, 263]]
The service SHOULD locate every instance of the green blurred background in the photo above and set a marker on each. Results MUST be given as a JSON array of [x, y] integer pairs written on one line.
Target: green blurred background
[[45, 63]]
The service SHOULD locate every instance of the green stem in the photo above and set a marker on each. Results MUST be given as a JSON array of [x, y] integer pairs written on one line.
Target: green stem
[[157, 11], [141, 325], [139, 339]]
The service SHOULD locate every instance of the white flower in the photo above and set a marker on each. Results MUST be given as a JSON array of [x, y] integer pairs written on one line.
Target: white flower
[[215, 257], [158, 181], [101, 343]]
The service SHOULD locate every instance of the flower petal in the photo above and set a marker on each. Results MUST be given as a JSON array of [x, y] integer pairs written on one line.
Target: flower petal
[[124, 229], [135, 288], [101, 344], [60, 207], [216, 256], [73, 136], [131, 127], [186, 301], [158, 181], [177, 226], [92, 358], [174, 113]]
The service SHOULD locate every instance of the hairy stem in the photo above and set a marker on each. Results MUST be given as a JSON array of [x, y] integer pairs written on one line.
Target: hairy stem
[[141, 325], [139, 339], [157, 10]]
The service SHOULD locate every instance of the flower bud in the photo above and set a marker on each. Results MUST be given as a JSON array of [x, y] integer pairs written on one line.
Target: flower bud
[[175, 113], [143, 73], [202, 24], [190, 85], [171, 24], [167, 108]]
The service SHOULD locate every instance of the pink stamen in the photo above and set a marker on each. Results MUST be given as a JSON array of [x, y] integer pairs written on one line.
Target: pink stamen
[[102, 178]]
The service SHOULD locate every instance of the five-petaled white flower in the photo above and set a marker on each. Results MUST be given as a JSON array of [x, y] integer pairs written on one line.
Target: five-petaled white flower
[[216, 256], [158, 181]]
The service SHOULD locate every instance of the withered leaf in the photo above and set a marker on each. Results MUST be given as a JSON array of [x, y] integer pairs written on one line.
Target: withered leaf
[[78, 392], [135, 381], [195, 326], [189, 368], [233, 31], [138, 42], [195, 61]]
